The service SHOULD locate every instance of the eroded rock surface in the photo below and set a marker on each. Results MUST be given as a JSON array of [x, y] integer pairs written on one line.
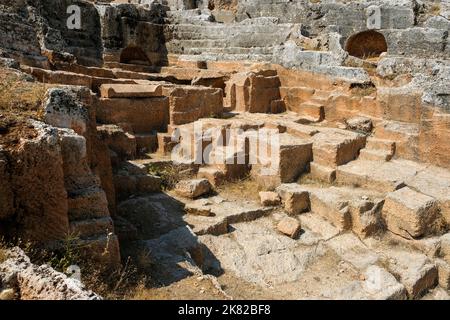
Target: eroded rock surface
[[151, 103], [31, 282]]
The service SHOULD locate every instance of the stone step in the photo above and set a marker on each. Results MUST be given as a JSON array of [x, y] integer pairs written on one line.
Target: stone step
[[131, 185], [130, 91], [405, 135], [412, 214], [334, 147], [228, 50], [122, 143], [331, 206], [59, 77], [89, 228], [214, 215], [322, 173], [378, 175], [295, 96], [375, 155], [319, 100], [313, 110], [355, 209], [146, 142], [228, 57], [143, 115], [352, 250], [309, 120], [292, 157], [381, 144], [130, 67], [87, 204], [89, 71], [133, 179], [322, 94], [165, 143], [415, 271]]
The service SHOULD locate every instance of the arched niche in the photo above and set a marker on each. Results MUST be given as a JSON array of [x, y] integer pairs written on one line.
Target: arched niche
[[366, 44]]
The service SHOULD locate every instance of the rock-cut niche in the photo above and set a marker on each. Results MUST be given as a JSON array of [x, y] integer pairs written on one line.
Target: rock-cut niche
[[366, 44], [134, 55]]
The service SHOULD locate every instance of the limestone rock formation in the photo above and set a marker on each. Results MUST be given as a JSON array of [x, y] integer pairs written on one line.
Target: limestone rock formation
[[324, 127], [21, 279]]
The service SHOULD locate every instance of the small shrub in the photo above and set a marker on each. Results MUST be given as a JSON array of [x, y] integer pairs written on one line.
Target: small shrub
[[59, 259], [363, 90], [122, 283], [69, 255], [170, 174]]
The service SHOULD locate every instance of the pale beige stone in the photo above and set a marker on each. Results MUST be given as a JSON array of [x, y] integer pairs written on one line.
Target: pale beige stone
[[130, 91], [290, 227], [443, 273], [295, 198], [411, 214], [193, 188], [415, 271], [269, 199]]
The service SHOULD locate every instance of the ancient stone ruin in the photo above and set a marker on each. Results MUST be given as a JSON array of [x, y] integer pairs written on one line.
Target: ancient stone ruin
[[266, 149]]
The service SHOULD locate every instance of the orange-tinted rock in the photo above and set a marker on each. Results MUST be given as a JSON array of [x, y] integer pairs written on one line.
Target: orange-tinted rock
[[143, 115], [37, 179], [190, 103], [253, 91]]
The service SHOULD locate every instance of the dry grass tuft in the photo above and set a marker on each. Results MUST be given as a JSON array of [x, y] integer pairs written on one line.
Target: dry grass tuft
[[20, 100], [246, 188], [3, 248], [170, 174], [435, 9], [307, 179], [19, 96], [2, 255], [363, 90]]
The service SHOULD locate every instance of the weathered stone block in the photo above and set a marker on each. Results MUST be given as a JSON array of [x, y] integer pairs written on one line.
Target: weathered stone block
[[215, 177], [193, 188], [269, 199], [189, 103], [366, 217], [291, 158], [143, 115], [445, 247], [38, 182], [414, 271], [411, 214], [336, 147], [290, 227], [322, 173], [111, 91], [295, 198], [253, 91], [332, 206], [119, 141]]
